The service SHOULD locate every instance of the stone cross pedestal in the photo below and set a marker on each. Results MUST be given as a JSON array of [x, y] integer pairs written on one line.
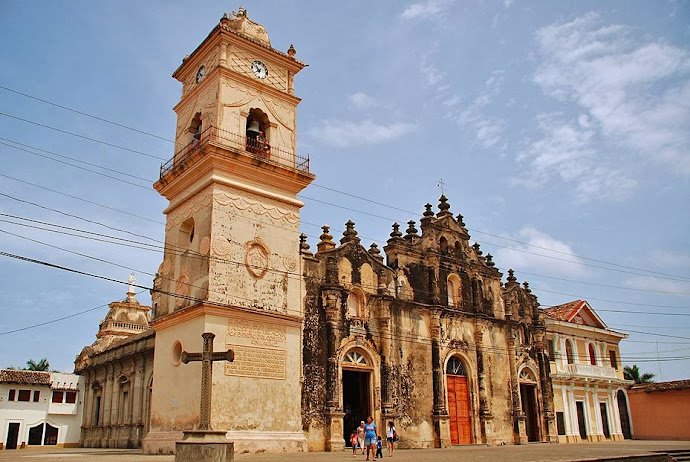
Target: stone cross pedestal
[[204, 444]]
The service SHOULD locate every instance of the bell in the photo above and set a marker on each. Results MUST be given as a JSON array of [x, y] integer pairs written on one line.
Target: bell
[[253, 130]]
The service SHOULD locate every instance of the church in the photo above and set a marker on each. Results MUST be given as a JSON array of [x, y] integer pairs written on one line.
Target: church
[[423, 332]]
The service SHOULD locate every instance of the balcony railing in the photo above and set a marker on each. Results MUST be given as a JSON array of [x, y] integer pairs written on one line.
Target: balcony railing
[[587, 370], [251, 147]]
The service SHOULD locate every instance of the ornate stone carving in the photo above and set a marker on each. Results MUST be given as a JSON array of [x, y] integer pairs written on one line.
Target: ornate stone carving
[[227, 198], [182, 288], [220, 247], [205, 246], [290, 263], [256, 258]]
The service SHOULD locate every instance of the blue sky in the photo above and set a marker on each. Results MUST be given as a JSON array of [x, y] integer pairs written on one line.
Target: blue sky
[[559, 129]]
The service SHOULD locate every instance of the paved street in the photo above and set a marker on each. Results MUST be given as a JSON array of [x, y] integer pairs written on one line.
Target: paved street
[[529, 453]]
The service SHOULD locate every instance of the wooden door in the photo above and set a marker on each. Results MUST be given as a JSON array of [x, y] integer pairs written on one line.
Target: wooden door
[[459, 410], [580, 407], [12, 435], [623, 414]]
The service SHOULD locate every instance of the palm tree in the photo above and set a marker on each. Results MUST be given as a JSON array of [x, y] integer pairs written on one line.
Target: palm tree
[[41, 365], [633, 373]]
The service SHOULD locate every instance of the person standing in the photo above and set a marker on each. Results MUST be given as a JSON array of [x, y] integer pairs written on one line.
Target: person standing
[[379, 448], [360, 436], [353, 442], [370, 437], [391, 436]]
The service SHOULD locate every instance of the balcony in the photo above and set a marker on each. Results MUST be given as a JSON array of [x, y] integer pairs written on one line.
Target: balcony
[[263, 152], [586, 370]]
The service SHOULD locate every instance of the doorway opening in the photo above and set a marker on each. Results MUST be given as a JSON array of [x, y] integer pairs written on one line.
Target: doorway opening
[[12, 435], [356, 400], [623, 413], [579, 405], [528, 394], [459, 411]]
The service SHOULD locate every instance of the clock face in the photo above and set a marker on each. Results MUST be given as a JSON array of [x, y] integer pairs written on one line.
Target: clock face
[[200, 74], [259, 69]]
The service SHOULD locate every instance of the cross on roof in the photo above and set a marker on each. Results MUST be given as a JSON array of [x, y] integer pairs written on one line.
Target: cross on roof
[[207, 356], [441, 185]]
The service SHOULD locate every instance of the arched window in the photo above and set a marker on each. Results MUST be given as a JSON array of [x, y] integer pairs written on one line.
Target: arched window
[[569, 351], [258, 133], [526, 375], [592, 355], [355, 358], [186, 232], [443, 245], [455, 366], [454, 286], [195, 127], [356, 304]]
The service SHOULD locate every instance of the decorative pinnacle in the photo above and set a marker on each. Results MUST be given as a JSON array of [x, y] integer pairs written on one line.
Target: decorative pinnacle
[[396, 231], [411, 230], [375, 252], [350, 234], [511, 276], [490, 260], [291, 51], [303, 244], [428, 212], [460, 222], [526, 286], [476, 249], [326, 236], [443, 205]]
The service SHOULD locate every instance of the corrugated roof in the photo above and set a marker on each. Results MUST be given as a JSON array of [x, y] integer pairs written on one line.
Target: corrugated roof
[[663, 386], [24, 377]]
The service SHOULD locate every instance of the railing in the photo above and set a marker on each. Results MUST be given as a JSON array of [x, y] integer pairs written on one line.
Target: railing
[[252, 147], [587, 370]]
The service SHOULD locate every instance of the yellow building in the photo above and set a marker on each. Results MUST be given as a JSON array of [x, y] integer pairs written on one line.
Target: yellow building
[[589, 391]]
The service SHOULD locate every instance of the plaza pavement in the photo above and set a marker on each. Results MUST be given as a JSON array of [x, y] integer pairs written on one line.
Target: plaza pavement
[[527, 453]]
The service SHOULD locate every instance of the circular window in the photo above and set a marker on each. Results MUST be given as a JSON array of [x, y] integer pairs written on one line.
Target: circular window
[[177, 353]]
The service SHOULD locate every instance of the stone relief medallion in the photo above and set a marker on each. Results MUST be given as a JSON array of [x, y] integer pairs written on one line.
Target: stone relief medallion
[[205, 245], [166, 267], [182, 289], [256, 259], [220, 247], [290, 263]]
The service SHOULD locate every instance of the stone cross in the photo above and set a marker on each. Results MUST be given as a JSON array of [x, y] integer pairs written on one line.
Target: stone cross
[[207, 356], [441, 185]]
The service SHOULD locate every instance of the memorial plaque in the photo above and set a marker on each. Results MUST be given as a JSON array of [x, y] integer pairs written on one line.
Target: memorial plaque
[[260, 349]]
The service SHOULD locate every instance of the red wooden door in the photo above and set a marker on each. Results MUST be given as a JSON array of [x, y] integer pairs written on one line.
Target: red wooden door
[[459, 410]]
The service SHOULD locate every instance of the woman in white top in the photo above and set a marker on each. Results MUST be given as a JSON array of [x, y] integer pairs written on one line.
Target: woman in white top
[[391, 436]]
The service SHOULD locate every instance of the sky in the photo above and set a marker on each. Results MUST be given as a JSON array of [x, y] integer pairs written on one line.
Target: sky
[[560, 130]]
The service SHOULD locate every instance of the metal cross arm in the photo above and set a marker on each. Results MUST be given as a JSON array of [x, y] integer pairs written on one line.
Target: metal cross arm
[[207, 356]]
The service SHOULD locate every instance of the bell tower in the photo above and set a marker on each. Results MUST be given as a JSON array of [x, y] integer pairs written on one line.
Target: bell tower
[[231, 263]]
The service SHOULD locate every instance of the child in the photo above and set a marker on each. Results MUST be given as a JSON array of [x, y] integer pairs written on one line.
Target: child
[[379, 448], [354, 442]]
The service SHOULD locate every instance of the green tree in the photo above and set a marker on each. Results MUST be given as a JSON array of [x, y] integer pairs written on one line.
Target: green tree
[[41, 365], [633, 373]]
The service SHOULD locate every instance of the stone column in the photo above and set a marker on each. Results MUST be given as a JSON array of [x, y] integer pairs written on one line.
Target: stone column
[[87, 399], [597, 413], [223, 60], [573, 410], [440, 416], [484, 410], [107, 393], [546, 387], [591, 431], [331, 301], [519, 433], [566, 414]]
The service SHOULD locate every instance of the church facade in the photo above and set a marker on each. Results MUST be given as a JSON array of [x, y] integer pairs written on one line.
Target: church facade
[[423, 332]]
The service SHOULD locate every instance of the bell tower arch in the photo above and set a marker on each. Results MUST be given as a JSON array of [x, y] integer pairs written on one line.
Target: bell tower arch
[[231, 255]]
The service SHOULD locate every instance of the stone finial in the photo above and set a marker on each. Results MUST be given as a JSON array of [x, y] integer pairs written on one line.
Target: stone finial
[[326, 242], [350, 234], [291, 51], [411, 230], [511, 276], [131, 293], [526, 287], [428, 212], [476, 249], [443, 205], [490, 260], [459, 219], [396, 231], [375, 252], [303, 245]]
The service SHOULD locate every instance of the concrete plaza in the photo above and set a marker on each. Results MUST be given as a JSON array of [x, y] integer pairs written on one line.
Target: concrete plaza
[[528, 453]]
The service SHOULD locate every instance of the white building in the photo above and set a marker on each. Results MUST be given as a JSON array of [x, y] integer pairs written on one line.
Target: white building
[[39, 409]]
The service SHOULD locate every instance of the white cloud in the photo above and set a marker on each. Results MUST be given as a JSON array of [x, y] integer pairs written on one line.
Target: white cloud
[[635, 95], [487, 130], [429, 9], [343, 133], [527, 257], [361, 100], [659, 284], [566, 152]]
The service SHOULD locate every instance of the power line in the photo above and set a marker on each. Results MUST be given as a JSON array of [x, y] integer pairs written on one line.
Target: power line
[[102, 119], [66, 132]]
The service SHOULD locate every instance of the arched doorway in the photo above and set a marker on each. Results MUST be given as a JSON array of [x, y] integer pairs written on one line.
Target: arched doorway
[[623, 413], [357, 369], [459, 410], [528, 398]]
